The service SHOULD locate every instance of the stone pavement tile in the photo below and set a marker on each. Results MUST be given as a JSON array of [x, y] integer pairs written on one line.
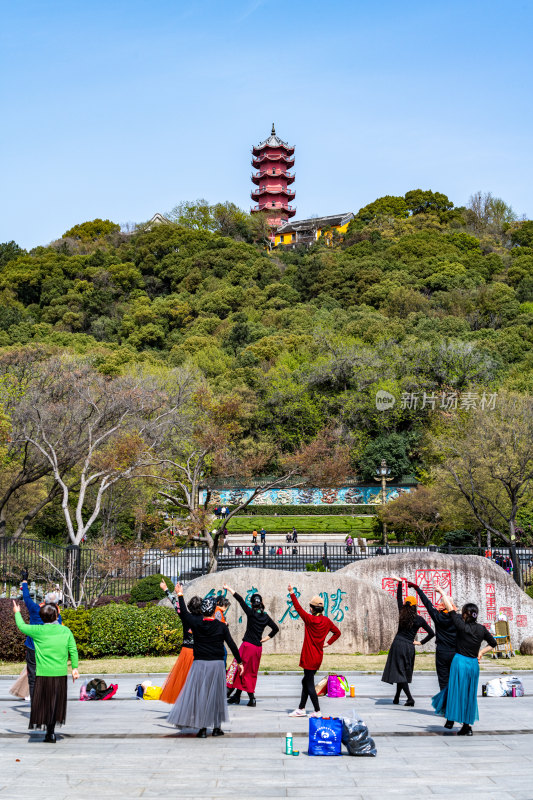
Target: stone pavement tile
[[480, 787], [324, 793]]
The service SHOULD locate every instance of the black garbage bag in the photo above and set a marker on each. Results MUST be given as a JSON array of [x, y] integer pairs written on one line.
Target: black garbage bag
[[357, 739]]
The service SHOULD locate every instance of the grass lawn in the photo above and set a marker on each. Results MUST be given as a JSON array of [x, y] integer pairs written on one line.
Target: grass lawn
[[361, 526], [332, 663]]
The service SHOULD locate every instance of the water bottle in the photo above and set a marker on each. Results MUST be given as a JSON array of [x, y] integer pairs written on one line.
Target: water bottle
[[288, 744]]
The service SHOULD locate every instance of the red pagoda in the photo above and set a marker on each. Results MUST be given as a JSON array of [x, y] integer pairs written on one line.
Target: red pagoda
[[272, 159]]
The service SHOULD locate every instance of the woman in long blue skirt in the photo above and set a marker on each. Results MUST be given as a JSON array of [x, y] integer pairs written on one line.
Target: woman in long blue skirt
[[458, 701]]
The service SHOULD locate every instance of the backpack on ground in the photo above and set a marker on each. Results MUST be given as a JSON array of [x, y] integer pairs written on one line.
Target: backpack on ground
[[97, 689]]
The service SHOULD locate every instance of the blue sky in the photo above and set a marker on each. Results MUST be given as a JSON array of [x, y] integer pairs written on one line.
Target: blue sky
[[120, 109]]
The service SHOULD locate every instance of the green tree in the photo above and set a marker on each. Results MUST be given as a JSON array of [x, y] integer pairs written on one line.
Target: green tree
[[485, 460], [392, 447], [421, 201], [9, 251], [91, 231], [387, 206]]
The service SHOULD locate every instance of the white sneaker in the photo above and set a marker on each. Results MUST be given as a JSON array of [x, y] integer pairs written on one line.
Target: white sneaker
[[298, 712], [315, 714]]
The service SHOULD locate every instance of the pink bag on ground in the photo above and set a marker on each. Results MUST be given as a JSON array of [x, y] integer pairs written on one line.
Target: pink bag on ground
[[335, 687]]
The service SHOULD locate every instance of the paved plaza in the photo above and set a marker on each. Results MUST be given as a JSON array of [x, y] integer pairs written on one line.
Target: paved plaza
[[125, 748]]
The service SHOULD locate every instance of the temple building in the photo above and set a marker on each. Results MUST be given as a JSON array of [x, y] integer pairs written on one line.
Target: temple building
[[272, 159], [307, 231]]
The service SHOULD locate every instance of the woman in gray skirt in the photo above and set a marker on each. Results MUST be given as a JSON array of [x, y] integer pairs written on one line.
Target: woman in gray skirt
[[202, 701]]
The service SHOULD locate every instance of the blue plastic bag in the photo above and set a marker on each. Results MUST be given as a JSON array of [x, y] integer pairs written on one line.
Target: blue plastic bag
[[325, 736]]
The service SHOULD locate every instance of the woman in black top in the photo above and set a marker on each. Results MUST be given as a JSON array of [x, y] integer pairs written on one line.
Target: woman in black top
[[445, 632], [401, 658], [178, 675], [252, 646], [458, 701], [202, 702]]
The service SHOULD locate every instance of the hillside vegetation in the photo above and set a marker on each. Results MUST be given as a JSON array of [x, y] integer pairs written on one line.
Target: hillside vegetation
[[418, 297]]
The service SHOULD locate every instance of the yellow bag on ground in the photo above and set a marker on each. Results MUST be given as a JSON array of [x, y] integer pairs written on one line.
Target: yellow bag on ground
[[152, 693]]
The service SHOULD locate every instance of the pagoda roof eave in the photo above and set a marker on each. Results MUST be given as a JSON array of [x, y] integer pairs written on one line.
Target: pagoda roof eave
[[260, 148]]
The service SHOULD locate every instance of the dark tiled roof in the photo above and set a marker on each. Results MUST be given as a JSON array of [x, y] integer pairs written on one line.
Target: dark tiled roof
[[316, 222]]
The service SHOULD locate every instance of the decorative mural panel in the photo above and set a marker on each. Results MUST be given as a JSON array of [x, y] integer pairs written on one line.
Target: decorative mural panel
[[348, 496]]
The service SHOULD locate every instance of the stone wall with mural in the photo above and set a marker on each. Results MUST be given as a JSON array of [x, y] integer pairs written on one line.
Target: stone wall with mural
[[366, 616], [466, 578], [352, 495]]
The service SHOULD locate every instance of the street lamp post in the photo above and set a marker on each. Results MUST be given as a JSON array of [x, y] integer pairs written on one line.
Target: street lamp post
[[382, 474]]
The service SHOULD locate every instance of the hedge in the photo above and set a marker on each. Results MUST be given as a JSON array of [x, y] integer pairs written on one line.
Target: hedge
[[315, 511], [11, 639], [116, 629]]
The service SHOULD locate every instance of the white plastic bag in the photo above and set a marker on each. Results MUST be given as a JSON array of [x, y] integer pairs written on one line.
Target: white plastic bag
[[503, 687]]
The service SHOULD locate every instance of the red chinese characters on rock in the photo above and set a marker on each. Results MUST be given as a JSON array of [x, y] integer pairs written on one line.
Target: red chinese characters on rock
[[521, 620], [426, 578], [389, 585], [507, 611], [490, 595]]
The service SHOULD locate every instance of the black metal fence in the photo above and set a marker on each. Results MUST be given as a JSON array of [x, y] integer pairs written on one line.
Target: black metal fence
[[83, 574]]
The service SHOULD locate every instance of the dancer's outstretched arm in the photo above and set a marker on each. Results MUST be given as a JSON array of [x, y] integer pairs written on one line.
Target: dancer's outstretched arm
[[445, 599], [432, 611], [171, 596], [302, 613], [241, 601]]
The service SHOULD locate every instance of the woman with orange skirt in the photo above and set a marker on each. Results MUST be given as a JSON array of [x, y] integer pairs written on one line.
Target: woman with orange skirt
[[177, 677]]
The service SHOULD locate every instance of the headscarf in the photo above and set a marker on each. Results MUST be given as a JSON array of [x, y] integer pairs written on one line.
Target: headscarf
[[208, 606], [410, 599]]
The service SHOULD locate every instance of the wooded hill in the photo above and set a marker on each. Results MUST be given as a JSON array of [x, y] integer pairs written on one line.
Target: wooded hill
[[418, 297]]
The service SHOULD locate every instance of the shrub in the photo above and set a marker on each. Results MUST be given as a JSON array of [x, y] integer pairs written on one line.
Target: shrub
[[120, 629], [318, 567], [79, 620], [11, 639], [105, 599], [148, 589]]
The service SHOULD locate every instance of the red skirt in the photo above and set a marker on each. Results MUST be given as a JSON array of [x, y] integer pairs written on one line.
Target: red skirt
[[251, 658], [177, 677]]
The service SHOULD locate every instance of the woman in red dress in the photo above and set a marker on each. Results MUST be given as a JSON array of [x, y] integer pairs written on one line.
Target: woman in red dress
[[317, 627]]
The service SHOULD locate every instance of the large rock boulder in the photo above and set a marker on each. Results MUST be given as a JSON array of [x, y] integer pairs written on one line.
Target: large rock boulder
[[467, 578], [526, 646], [366, 615]]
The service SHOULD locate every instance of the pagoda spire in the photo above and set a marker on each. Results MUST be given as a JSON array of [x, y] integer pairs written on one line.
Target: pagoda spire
[[273, 133]]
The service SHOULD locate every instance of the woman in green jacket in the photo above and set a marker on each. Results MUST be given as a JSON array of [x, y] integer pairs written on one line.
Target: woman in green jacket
[[54, 644]]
